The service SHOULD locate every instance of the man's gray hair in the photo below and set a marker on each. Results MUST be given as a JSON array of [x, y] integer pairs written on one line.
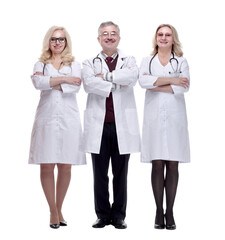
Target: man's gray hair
[[105, 24]]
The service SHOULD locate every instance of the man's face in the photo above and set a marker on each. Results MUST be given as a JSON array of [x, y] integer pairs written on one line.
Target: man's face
[[109, 38]]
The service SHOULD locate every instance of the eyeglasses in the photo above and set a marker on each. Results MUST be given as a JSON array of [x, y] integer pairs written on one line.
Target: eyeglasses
[[54, 40], [106, 34], [166, 34]]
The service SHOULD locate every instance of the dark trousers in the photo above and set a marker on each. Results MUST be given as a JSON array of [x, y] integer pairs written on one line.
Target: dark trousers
[[109, 149]]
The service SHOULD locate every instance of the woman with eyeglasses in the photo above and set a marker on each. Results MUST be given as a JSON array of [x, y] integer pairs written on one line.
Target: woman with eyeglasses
[[165, 141], [56, 135]]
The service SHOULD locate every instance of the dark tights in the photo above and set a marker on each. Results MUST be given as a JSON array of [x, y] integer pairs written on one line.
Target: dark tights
[[169, 182]]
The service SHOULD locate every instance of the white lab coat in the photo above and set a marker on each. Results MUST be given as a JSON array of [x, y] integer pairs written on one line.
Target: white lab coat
[[56, 135], [165, 128], [126, 119]]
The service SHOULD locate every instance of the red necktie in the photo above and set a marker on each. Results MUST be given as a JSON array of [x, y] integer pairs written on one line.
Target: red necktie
[[109, 59]]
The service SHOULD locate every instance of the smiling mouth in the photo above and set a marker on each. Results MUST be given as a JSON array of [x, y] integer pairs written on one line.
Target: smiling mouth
[[110, 40]]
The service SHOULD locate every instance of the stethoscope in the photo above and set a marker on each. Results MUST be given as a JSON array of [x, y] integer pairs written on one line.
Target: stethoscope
[[100, 61], [171, 60]]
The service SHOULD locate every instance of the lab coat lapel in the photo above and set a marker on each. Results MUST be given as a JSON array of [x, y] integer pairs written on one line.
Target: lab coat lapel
[[121, 59], [104, 65], [120, 62]]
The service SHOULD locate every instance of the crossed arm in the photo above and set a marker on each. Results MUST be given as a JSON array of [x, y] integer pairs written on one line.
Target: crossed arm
[[103, 77], [55, 82], [164, 84]]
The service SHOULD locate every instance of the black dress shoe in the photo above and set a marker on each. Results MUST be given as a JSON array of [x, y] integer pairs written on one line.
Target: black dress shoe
[[54, 226], [101, 223], [119, 223], [171, 227], [63, 223], [159, 226]]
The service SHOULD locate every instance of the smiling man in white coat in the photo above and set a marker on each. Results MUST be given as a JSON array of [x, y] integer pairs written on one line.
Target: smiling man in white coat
[[111, 128]]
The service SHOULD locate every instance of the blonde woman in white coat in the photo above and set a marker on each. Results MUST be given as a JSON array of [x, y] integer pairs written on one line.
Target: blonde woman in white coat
[[165, 141], [56, 135]]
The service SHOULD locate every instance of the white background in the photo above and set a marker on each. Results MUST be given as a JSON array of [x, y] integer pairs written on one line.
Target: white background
[[199, 207]]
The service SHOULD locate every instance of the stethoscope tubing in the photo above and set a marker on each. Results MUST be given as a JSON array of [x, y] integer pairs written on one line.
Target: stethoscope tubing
[[98, 58], [171, 59]]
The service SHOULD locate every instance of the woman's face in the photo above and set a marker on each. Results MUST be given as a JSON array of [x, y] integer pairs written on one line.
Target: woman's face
[[57, 42], [164, 38]]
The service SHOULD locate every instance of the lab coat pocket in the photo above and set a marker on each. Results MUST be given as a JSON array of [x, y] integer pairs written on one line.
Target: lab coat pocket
[[174, 74], [132, 121], [89, 122], [66, 70], [87, 117], [43, 123]]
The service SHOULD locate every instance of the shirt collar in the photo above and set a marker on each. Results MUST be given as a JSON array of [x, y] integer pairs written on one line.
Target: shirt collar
[[113, 56]]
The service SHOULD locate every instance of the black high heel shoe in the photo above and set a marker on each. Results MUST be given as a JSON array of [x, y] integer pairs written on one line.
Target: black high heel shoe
[[63, 223], [170, 225], [159, 221], [54, 226]]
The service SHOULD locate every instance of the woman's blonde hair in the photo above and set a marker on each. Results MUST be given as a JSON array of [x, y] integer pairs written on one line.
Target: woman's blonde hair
[[176, 48], [46, 55]]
